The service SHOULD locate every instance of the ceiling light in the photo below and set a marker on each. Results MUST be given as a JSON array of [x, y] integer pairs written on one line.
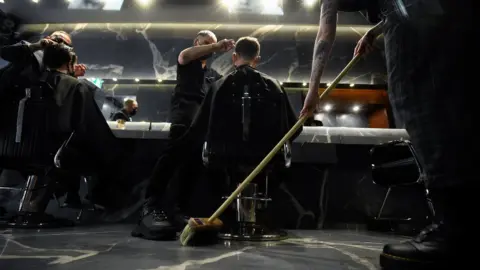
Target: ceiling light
[[352, 85], [309, 3], [327, 107], [137, 80], [114, 79], [144, 3], [356, 108]]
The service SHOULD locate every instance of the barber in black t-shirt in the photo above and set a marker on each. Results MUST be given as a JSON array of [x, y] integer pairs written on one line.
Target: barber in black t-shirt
[[192, 77]]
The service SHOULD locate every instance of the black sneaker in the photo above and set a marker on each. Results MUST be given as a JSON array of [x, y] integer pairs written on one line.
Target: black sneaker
[[154, 225], [431, 249]]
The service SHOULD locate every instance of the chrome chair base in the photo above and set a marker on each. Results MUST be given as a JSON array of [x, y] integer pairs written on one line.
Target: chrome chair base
[[253, 232], [32, 220]]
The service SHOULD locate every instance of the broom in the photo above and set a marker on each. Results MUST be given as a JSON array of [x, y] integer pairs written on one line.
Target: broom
[[214, 224]]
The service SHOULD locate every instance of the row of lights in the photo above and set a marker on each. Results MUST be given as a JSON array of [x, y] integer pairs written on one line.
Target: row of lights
[[329, 107], [228, 3], [144, 3], [328, 84], [281, 83]]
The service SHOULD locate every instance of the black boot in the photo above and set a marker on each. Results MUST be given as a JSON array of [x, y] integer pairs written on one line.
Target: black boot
[[154, 225], [439, 246]]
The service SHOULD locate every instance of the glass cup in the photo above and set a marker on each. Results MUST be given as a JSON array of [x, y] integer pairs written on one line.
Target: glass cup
[[121, 124]]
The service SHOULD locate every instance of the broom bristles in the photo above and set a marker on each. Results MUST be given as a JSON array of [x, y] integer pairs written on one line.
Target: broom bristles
[[186, 235]]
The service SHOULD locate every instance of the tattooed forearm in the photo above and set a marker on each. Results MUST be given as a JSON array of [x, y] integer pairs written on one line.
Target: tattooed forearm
[[321, 53], [328, 13]]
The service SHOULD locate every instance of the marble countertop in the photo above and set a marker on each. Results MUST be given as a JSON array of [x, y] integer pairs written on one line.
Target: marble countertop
[[333, 135], [111, 247]]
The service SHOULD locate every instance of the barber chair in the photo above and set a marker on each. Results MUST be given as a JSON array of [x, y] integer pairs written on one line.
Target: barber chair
[[245, 124], [68, 158], [29, 138], [395, 164]]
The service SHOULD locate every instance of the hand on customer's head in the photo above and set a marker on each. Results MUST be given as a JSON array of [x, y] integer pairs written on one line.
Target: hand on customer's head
[[45, 42], [225, 45], [80, 70]]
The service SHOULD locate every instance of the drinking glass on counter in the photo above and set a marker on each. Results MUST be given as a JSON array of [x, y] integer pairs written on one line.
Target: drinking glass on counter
[[121, 123]]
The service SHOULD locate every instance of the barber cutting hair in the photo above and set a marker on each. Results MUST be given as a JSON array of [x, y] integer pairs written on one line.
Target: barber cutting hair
[[193, 78], [26, 61]]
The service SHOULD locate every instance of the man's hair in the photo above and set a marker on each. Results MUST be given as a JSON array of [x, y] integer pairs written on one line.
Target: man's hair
[[129, 102], [57, 55], [247, 48], [205, 33]]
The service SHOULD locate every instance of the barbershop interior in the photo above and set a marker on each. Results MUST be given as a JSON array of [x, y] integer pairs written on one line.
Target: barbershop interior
[[176, 134]]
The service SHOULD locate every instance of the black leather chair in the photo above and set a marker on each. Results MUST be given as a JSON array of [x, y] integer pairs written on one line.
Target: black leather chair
[[395, 164], [246, 122], [29, 138]]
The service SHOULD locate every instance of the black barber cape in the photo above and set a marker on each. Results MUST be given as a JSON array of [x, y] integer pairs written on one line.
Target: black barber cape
[[199, 127], [74, 100]]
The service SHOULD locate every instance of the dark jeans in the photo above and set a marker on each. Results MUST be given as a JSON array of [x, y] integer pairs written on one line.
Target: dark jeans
[[430, 55]]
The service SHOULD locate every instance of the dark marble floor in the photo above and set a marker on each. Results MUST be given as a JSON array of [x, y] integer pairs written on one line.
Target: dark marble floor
[[111, 247]]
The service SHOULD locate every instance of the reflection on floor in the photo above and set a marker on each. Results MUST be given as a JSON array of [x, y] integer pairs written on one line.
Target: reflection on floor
[[111, 247]]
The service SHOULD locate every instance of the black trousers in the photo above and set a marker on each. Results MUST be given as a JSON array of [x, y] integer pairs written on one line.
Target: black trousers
[[430, 48], [173, 171]]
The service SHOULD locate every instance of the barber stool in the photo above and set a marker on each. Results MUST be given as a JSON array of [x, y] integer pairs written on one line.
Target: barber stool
[[251, 202], [395, 164]]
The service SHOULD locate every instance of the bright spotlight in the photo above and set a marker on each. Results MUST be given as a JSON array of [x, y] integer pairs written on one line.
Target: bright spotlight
[[35, 1], [272, 7], [137, 80], [352, 85], [304, 84], [356, 108], [231, 5], [328, 84], [281, 83], [114, 79], [309, 3], [160, 80], [144, 3], [327, 107]]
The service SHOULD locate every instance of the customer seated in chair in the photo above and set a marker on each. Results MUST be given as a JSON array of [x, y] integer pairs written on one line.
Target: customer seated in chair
[[93, 145], [245, 59]]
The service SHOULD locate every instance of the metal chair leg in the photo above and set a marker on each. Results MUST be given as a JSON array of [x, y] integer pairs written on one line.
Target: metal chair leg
[[431, 208], [27, 193], [384, 202]]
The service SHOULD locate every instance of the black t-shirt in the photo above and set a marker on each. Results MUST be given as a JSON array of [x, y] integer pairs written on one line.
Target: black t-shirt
[[190, 80], [122, 114]]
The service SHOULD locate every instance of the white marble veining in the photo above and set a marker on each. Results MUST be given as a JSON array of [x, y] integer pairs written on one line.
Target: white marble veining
[[324, 135], [111, 247]]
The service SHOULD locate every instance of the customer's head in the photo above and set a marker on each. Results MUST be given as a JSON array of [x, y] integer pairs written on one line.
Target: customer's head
[[247, 52], [60, 57], [130, 106]]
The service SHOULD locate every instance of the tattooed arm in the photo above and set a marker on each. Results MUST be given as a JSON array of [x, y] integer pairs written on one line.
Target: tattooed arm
[[321, 52]]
